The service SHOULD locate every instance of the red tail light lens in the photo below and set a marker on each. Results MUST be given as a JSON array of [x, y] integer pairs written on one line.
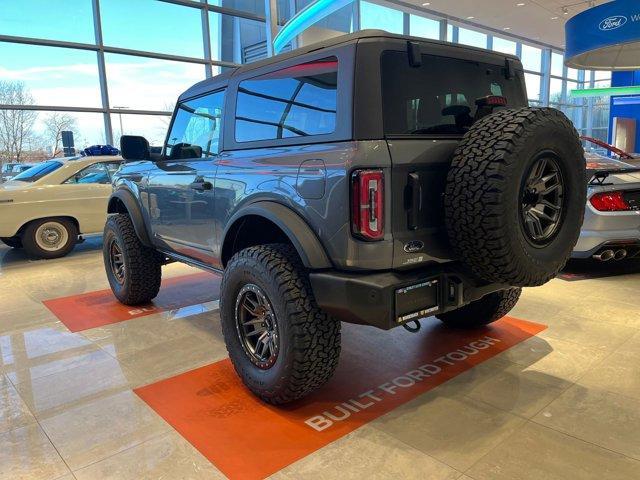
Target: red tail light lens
[[367, 204], [610, 202]]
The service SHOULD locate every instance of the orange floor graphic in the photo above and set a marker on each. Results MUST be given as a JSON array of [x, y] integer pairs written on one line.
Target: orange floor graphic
[[95, 309], [378, 371]]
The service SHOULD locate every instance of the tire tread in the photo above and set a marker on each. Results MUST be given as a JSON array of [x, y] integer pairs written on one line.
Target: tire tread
[[144, 269], [316, 337]]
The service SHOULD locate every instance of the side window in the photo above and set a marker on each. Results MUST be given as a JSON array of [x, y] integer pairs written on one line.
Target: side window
[[112, 167], [196, 128], [298, 101], [96, 173]]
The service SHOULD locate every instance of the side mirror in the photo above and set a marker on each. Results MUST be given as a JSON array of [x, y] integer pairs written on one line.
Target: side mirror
[[133, 147]]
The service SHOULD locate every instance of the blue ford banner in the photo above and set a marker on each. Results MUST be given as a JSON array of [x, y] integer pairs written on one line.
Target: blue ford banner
[[606, 37]]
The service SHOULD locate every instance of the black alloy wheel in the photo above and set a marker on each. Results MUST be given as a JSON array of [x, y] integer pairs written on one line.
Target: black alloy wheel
[[116, 261], [256, 326], [542, 200]]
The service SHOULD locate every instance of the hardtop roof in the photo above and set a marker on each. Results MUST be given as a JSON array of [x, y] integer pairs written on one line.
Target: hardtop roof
[[221, 80]]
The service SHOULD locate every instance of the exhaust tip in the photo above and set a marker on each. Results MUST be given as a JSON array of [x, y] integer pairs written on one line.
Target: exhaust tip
[[605, 255], [620, 254]]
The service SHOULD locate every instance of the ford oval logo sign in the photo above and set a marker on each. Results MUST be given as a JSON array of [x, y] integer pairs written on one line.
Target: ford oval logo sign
[[612, 23], [414, 246]]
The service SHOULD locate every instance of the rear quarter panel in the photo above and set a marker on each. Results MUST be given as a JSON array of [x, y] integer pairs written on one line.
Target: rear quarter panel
[[277, 174]]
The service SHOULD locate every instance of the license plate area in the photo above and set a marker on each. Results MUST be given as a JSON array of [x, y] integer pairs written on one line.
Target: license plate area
[[417, 301]]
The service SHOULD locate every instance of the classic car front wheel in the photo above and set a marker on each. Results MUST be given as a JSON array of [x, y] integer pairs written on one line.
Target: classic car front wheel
[[49, 237]]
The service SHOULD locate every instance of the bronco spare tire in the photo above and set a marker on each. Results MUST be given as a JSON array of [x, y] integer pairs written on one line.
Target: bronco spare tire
[[515, 196]]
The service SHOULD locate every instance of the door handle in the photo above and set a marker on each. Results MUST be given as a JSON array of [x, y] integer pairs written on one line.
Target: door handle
[[201, 185]]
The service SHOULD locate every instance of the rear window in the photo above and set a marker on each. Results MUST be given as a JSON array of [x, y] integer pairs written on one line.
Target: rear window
[[38, 171], [438, 98], [298, 101]]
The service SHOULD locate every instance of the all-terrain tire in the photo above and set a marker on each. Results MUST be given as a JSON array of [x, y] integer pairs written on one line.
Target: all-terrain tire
[[308, 338], [13, 242], [486, 187], [142, 266], [36, 245], [487, 310]]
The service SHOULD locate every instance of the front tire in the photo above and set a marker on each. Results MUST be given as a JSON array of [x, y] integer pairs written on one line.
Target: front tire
[[134, 270], [265, 293], [488, 309], [49, 237]]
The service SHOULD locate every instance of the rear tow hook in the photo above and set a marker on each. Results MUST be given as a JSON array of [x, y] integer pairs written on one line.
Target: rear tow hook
[[412, 329]]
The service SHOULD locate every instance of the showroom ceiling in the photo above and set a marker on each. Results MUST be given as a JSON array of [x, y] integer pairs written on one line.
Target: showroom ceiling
[[539, 20]]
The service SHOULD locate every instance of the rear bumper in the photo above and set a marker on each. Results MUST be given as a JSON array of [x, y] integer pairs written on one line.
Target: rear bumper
[[378, 299], [631, 245], [591, 241], [602, 228]]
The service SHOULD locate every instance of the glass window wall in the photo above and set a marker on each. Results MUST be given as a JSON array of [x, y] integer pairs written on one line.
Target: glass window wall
[[424, 27], [146, 25], [378, 17], [52, 76]]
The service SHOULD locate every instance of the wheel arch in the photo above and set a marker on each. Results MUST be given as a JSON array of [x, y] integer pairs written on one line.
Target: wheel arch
[[124, 202], [48, 217], [270, 222]]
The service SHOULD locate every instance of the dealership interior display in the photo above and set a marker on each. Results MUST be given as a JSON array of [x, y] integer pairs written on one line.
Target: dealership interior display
[[320, 239]]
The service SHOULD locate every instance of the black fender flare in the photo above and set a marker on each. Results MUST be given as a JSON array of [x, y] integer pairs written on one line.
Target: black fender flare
[[304, 240], [134, 210]]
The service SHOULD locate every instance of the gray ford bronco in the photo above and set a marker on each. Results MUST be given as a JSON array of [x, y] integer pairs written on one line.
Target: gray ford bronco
[[374, 179]]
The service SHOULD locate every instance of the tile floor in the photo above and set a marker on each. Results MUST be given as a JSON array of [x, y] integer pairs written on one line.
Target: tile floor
[[562, 405]]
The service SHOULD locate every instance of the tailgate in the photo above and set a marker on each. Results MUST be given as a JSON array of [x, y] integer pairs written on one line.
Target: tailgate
[[419, 173]]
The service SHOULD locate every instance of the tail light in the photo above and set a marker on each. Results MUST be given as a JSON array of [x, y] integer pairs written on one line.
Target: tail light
[[610, 202], [492, 101], [367, 204]]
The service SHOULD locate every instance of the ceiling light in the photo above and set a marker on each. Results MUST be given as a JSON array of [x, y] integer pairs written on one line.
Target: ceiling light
[[470, 18], [554, 18], [565, 11], [426, 4], [507, 28], [520, 4]]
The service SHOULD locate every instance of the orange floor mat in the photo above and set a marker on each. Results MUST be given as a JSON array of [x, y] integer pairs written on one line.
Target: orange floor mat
[[95, 309], [378, 371]]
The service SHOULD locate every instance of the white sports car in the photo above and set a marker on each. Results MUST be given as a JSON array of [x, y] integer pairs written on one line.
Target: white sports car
[[611, 228], [48, 208]]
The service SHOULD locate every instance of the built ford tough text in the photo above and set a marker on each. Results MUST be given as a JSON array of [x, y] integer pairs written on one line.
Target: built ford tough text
[[374, 178]]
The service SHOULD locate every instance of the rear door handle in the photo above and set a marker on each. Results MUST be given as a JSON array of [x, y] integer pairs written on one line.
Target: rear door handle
[[201, 185]]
